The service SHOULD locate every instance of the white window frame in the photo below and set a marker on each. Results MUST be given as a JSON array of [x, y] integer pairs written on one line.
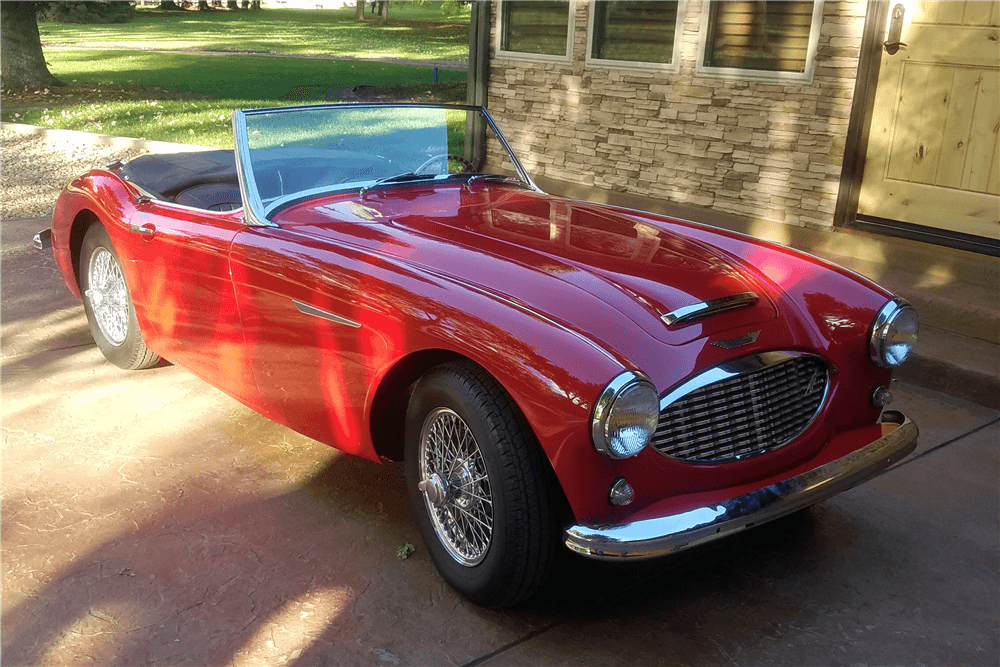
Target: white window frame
[[674, 64], [522, 55], [758, 74]]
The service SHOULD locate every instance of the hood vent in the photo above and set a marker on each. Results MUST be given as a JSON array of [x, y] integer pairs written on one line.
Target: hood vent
[[697, 311]]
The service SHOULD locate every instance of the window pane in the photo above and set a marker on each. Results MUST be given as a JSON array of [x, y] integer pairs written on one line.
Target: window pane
[[535, 27], [772, 36], [639, 30]]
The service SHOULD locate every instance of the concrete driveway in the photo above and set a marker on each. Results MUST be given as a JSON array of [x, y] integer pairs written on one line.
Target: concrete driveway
[[150, 519]]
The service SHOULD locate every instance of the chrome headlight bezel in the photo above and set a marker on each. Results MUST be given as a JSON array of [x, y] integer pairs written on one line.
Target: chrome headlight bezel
[[604, 409], [895, 312]]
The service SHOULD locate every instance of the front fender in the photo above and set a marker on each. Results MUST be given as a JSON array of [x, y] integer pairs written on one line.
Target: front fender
[[96, 195]]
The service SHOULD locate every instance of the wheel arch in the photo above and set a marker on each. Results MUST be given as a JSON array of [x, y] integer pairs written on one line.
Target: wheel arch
[[77, 231], [388, 406], [392, 400], [388, 413]]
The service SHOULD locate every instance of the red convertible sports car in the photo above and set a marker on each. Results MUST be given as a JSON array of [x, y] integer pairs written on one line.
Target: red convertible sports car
[[387, 279]]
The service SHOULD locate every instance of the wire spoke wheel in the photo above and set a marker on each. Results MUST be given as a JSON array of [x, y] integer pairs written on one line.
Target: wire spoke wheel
[[456, 487], [108, 296], [479, 486], [108, 303]]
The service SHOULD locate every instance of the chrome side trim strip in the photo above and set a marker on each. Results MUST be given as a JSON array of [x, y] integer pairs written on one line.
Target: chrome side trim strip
[[663, 535], [322, 314], [696, 311]]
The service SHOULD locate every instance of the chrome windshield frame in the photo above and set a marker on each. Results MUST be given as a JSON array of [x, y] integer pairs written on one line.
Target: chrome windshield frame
[[257, 213], [253, 207]]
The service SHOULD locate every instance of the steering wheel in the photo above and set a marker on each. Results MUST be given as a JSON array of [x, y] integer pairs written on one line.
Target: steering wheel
[[446, 157]]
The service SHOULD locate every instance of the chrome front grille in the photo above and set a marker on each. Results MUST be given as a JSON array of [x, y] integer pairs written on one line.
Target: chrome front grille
[[744, 408]]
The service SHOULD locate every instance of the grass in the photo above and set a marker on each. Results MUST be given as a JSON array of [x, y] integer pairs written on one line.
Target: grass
[[127, 90], [236, 77], [203, 123], [188, 98], [415, 31], [392, 131]]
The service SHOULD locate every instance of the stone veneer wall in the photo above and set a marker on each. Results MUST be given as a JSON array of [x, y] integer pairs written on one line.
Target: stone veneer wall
[[770, 151]]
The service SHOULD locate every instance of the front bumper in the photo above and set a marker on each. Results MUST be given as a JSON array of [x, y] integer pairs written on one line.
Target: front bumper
[[666, 534]]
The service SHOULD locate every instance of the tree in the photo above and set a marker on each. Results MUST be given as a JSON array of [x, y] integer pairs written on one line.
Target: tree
[[359, 10], [21, 48], [84, 11], [383, 10]]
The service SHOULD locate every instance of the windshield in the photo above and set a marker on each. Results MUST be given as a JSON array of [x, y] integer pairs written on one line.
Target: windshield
[[292, 154]]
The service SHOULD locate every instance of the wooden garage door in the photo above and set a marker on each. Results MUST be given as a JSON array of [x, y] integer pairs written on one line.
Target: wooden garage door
[[934, 147]]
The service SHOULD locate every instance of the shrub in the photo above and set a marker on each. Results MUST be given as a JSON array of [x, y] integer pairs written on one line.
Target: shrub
[[453, 8], [86, 12]]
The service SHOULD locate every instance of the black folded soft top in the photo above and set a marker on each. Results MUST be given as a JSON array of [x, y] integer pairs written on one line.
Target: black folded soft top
[[165, 176], [205, 179]]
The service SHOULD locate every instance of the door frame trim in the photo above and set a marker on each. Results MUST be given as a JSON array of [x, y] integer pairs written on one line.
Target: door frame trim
[[940, 237], [862, 114]]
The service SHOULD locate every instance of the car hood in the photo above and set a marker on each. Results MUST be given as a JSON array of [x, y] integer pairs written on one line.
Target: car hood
[[642, 270]]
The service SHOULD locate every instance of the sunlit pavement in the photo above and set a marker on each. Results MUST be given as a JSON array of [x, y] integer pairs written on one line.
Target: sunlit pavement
[[148, 518]]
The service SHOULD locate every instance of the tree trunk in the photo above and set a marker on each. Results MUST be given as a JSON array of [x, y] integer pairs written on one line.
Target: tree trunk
[[170, 6], [359, 10], [21, 49], [232, 4], [383, 10]]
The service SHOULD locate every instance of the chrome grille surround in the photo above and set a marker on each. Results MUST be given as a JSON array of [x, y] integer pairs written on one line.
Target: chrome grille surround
[[742, 408]]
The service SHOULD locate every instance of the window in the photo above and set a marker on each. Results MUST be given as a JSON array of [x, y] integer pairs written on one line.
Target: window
[[636, 31], [776, 39], [536, 28]]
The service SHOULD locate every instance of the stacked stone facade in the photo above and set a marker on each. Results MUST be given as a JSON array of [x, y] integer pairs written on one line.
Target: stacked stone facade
[[761, 150]]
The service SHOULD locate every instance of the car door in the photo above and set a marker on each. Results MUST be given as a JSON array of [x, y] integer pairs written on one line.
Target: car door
[[316, 340], [186, 300]]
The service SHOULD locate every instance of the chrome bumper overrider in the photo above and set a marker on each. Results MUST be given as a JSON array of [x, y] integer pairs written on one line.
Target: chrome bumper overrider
[[42, 240], [666, 534]]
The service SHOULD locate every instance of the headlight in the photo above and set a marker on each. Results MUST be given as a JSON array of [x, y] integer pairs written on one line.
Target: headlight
[[894, 332], [625, 416]]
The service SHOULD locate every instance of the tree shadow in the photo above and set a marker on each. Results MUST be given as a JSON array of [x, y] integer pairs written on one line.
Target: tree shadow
[[198, 579]]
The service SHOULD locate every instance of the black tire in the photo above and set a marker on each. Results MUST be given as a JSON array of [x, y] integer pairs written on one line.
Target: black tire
[[507, 563], [108, 303]]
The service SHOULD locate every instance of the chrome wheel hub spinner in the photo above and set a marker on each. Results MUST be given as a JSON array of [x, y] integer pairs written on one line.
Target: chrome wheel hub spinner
[[108, 296], [435, 489], [456, 487]]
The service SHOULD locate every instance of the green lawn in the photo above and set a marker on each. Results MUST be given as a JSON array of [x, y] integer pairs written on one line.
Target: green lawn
[[236, 76], [154, 90], [415, 31], [233, 81]]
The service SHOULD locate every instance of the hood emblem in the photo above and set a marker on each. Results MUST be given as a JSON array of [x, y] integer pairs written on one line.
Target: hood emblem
[[364, 212], [737, 342], [696, 311]]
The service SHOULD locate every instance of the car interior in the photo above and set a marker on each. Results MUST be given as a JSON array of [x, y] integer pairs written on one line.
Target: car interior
[[205, 180]]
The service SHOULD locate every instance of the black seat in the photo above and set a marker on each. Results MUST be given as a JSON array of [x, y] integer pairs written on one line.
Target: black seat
[[211, 197], [168, 175]]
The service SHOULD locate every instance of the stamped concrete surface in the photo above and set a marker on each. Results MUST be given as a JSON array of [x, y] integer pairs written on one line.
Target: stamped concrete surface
[[149, 519]]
